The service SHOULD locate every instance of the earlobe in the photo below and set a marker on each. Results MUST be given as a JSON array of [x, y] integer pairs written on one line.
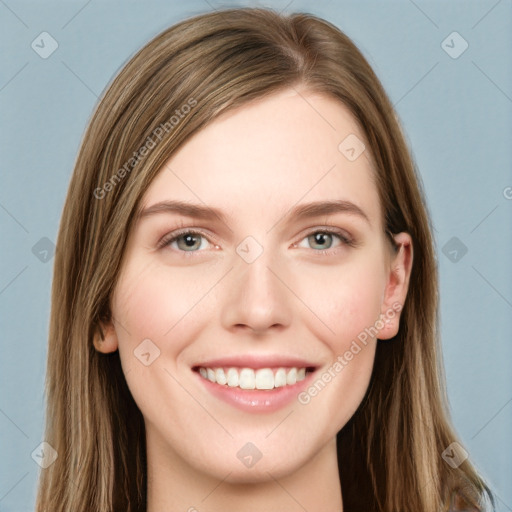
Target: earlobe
[[396, 287], [105, 338]]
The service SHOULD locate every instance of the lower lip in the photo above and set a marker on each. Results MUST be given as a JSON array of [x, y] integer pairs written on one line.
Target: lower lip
[[256, 400]]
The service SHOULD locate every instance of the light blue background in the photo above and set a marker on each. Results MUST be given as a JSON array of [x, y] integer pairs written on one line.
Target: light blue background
[[457, 114]]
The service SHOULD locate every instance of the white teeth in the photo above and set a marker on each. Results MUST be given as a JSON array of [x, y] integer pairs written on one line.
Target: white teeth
[[280, 378], [220, 376], [233, 378], [291, 377], [247, 378], [265, 379]]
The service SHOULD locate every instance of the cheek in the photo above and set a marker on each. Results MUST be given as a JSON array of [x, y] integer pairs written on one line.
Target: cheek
[[344, 301], [347, 300], [163, 306], [159, 305]]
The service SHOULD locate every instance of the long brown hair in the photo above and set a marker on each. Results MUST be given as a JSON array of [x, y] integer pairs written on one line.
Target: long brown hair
[[390, 452]]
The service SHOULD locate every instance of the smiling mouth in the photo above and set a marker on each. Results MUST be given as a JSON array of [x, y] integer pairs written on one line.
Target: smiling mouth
[[249, 378]]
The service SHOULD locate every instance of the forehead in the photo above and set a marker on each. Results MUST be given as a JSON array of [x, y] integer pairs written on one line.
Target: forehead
[[269, 155]]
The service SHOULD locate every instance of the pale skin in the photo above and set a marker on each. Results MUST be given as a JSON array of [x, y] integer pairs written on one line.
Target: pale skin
[[255, 164]]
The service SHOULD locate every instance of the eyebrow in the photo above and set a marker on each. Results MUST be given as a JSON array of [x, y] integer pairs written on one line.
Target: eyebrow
[[303, 211], [196, 211], [318, 208]]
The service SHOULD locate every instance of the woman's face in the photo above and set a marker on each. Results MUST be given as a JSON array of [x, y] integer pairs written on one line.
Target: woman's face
[[249, 343]]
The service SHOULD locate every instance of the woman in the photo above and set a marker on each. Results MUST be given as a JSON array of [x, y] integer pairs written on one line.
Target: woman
[[244, 306]]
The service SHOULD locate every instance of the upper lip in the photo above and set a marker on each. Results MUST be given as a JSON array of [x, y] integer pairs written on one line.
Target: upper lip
[[256, 361]]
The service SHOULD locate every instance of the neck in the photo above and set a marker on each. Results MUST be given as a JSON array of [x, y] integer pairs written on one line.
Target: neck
[[176, 486]]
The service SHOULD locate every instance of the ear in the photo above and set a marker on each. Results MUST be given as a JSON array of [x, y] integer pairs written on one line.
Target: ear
[[105, 338], [396, 287]]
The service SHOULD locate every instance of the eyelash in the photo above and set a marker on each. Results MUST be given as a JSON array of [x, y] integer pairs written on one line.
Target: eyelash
[[346, 241]]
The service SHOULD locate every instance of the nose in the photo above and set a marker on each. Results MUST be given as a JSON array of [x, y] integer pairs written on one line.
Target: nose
[[255, 297]]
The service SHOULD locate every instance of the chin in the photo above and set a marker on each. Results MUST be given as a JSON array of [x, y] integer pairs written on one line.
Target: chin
[[249, 465]]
